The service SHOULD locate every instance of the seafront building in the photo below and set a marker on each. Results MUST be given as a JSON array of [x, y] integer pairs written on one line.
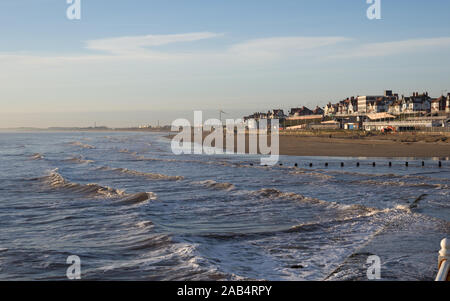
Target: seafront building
[[369, 112]]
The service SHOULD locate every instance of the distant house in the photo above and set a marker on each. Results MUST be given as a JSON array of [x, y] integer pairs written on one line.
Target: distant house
[[416, 103], [303, 111], [255, 116], [440, 104], [376, 104], [352, 105], [364, 101], [330, 109], [318, 111], [348, 106], [276, 114], [447, 107], [395, 107], [411, 105]]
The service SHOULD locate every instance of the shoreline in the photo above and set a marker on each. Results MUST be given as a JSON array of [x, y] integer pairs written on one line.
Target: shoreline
[[377, 146]]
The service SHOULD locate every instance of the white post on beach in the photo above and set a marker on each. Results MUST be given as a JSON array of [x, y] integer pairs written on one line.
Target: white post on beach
[[444, 261]]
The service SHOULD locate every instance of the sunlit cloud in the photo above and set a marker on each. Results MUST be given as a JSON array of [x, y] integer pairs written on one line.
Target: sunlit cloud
[[148, 48], [283, 46], [138, 45], [395, 48]]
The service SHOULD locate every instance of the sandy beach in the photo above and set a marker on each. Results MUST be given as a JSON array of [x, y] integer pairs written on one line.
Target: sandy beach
[[339, 147], [401, 145]]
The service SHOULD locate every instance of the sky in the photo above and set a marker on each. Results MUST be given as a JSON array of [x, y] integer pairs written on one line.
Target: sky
[[133, 62]]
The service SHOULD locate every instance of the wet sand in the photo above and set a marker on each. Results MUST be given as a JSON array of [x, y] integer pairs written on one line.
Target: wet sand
[[339, 147], [392, 146]]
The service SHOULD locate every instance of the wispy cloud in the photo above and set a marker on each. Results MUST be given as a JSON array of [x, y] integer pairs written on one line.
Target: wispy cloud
[[136, 45], [147, 48], [395, 48], [274, 47], [256, 49], [283, 46]]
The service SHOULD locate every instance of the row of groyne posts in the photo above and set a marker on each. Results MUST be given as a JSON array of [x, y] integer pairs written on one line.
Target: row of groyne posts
[[358, 164]]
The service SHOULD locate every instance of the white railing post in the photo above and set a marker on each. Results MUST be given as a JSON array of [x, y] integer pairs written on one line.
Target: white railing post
[[444, 261]]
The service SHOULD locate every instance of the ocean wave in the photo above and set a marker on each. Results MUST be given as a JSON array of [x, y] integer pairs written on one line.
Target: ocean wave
[[168, 261], [418, 176], [82, 145], [319, 175], [138, 198], [142, 158], [152, 176], [220, 162], [354, 210], [127, 151], [78, 160], [412, 227], [273, 193], [401, 184], [144, 224], [154, 241], [215, 185], [57, 181], [37, 156]]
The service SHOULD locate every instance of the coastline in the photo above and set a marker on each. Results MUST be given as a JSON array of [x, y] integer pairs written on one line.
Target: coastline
[[377, 146], [340, 147]]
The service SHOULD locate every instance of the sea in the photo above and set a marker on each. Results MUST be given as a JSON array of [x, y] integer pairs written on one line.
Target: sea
[[130, 209]]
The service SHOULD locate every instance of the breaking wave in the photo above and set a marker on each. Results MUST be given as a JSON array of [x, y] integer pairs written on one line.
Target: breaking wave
[[401, 184], [138, 198], [56, 181], [273, 193], [142, 158], [82, 145], [152, 176], [37, 156], [352, 209], [78, 160], [388, 175], [312, 173], [220, 163], [215, 185]]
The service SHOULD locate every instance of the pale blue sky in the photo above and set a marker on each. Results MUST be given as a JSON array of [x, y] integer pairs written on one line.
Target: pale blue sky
[[137, 61]]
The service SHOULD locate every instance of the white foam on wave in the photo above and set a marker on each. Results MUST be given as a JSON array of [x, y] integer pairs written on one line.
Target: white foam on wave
[[78, 160], [57, 181], [37, 156], [215, 185], [82, 145], [151, 176], [401, 184], [144, 224], [171, 261], [273, 194], [319, 175], [138, 198]]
